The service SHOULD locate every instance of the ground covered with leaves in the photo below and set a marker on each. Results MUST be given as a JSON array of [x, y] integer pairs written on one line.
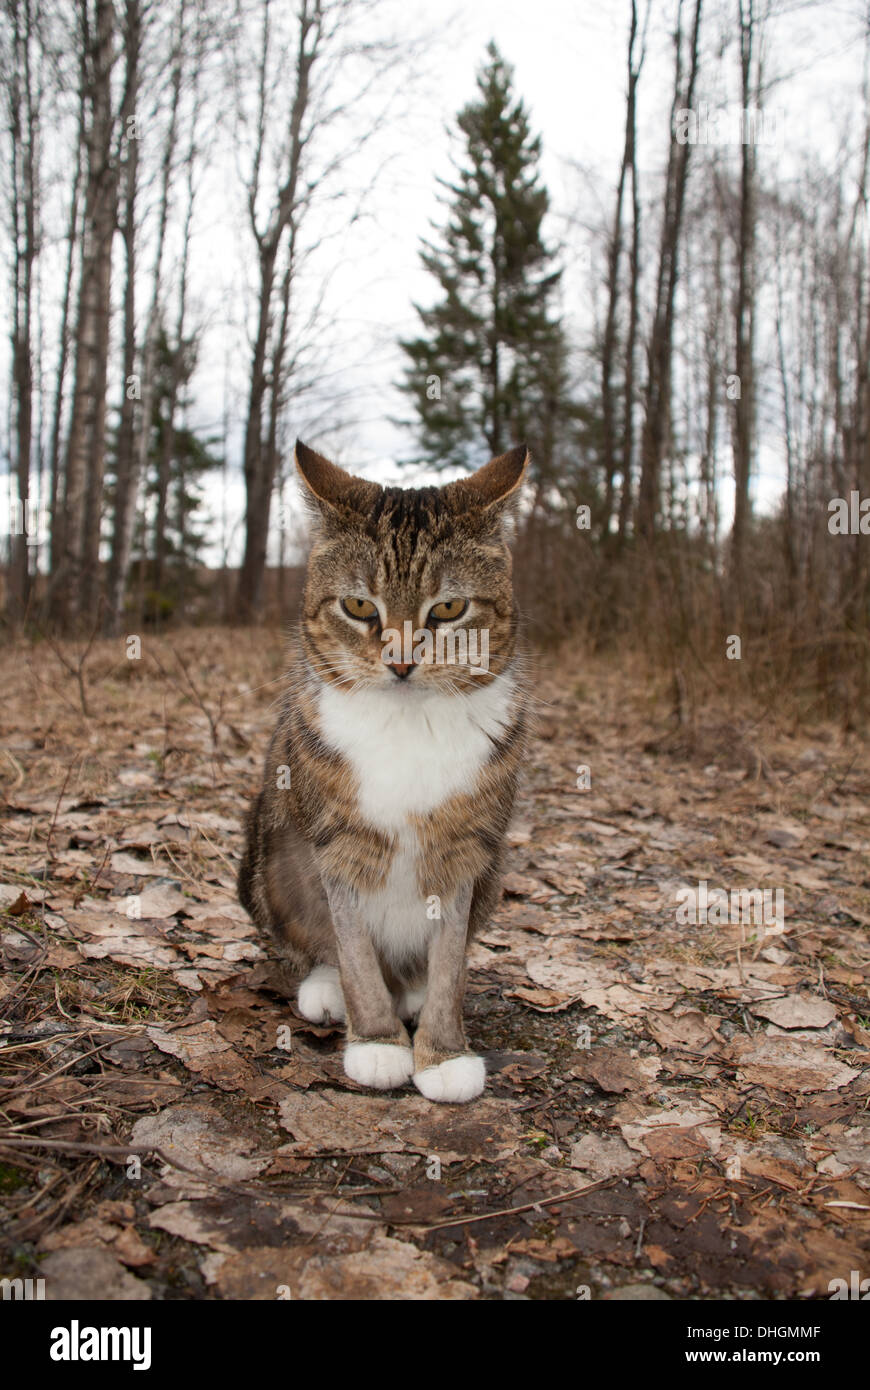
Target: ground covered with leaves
[[673, 1109]]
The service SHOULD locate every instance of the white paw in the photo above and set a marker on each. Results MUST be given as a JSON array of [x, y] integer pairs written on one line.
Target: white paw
[[320, 998], [410, 1003], [382, 1065], [457, 1079]]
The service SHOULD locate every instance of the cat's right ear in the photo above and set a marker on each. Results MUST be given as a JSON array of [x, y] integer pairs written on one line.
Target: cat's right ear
[[328, 488], [494, 487]]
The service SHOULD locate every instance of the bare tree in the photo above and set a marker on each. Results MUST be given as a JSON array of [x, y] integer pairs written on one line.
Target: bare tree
[[657, 403], [750, 39], [23, 98], [713, 369], [627, 169], [325, 44], [132, 461], [181, 350], [259, 461], [129, 139], [72, 242], [85, 456]]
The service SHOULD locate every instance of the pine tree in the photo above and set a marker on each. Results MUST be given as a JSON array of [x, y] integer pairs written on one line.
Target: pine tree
[[489, 367], [169, 535], [179, 461]]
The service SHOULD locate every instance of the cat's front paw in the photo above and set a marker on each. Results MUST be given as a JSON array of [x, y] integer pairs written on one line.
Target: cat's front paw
[[457, 1080], [381, 1065], [320, 999]]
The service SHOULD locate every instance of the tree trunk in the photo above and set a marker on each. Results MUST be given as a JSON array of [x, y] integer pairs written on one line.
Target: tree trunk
[[256, 496], [625, 500], [259, 463], [116, 575], [744, 310], [83, 483], [614, 254], [23, 122], [713, 384], [128, 485], [656, 426], [64, 345]]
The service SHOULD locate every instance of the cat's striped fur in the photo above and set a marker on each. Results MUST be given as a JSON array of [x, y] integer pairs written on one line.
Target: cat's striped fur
[[379, 861]]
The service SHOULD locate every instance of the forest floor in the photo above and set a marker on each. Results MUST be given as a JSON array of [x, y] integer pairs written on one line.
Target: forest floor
[[672, 1109]]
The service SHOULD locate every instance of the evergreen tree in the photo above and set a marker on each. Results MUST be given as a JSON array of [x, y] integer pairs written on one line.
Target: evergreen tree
[[489, 367], [179, 460], [170, 530]]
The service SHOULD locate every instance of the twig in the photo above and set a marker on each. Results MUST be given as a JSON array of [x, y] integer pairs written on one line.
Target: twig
[[96, 876], [822, 987], [637, 1248], [512, 1211], [123, 1152], [18, 769], [79, 670], [60, 1006], [50, 687], [48, 851], [232, 868]]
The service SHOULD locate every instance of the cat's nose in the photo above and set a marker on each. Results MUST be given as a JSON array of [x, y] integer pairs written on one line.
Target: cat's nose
[[402, 669]]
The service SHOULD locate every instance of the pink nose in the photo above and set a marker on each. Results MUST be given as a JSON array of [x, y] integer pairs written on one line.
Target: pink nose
[[400, 668]]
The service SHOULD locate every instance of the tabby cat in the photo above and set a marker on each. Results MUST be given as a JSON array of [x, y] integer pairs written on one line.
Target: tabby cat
[[374, 847]]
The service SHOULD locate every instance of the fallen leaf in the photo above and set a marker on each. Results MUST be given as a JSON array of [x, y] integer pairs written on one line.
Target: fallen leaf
[[789, 1064], [88, 1275], [613, 1069], [602, 1156], [387, 1269], [199, 1137], [796, 1011]]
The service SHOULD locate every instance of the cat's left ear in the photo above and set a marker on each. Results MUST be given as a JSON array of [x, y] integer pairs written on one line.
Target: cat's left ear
[[328, 488], [495, 485]]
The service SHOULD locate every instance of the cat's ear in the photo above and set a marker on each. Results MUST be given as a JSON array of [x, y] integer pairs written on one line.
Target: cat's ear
[[495, 485], [329, 488]]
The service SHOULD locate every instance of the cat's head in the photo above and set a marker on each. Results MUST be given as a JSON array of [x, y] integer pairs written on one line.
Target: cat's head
[[409, 589]]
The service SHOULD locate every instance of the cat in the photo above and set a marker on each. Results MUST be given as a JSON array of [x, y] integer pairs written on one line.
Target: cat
[[374, 848]]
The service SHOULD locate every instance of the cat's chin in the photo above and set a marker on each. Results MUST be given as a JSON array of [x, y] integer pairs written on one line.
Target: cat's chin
[[424, 687], [406, 690]]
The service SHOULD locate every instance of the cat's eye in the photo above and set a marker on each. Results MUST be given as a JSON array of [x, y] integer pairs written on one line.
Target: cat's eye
[[449, 610], [361, 608]]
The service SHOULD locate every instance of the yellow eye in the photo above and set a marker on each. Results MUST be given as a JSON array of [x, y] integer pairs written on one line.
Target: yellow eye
[[449, 610], [361, 608]]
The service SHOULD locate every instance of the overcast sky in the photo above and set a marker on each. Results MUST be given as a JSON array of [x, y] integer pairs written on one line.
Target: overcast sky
[[569, 58]]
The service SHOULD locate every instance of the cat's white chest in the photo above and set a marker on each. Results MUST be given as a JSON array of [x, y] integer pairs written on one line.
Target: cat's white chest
[[410, 755]]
